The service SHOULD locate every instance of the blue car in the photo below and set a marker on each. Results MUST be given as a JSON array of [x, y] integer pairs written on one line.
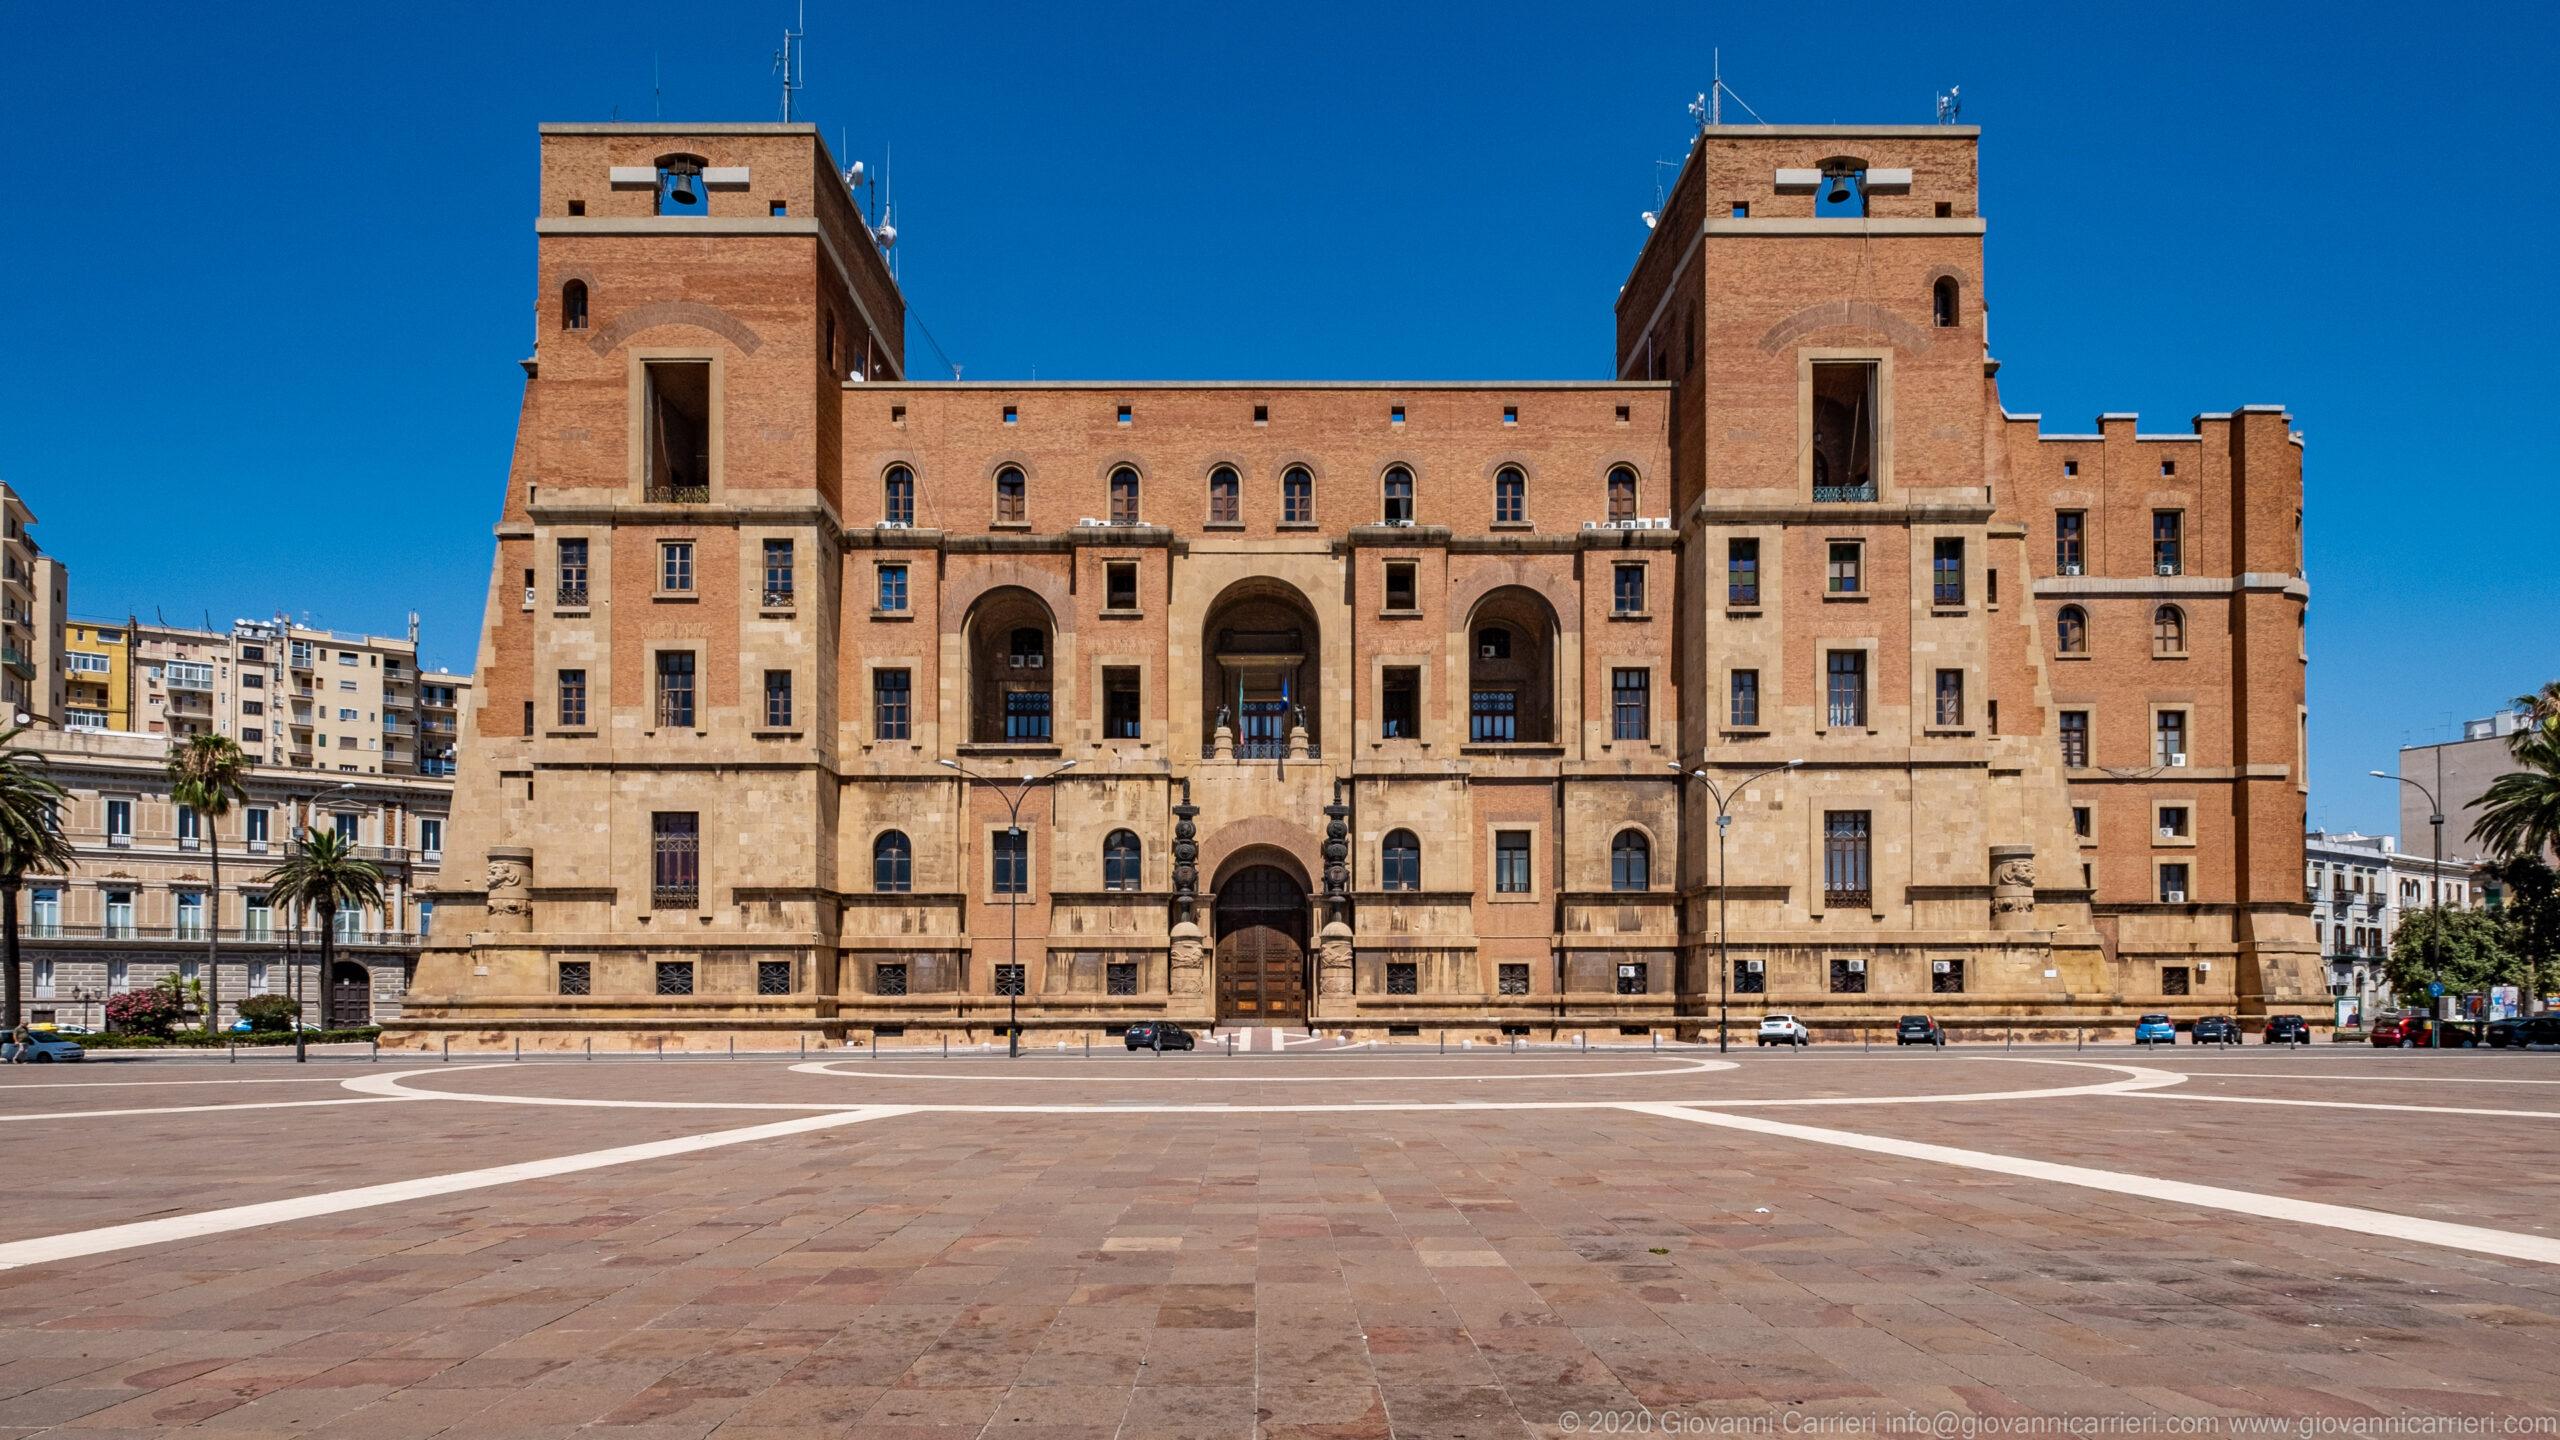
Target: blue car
[[2154, 1030]]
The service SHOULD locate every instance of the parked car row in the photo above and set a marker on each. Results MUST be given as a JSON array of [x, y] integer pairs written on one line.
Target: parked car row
[[2411, 1032]]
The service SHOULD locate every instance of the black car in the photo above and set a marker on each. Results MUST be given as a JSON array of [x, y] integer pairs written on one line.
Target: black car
[[2215, 1030], [2287, 1030], [1160, 1035], [1918, 1030], [2522, 1030]]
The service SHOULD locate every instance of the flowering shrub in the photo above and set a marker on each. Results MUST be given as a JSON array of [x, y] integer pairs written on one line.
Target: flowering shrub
[[270, 1012], [143, 1012]]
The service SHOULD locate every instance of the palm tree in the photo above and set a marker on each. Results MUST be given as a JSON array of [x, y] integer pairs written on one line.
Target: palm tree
[[2542, 710], [30, 839], [205, 772], [323, 874], [2520, 811]]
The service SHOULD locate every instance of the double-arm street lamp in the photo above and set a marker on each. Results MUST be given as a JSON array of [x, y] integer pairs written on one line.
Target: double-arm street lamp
[[2435, 902], [1724, 796], [1013, 909]]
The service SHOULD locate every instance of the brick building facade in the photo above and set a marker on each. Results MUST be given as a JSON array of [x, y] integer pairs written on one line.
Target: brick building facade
[[1372, 706]]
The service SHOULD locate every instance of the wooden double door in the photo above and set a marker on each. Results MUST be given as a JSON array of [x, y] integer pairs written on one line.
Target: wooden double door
[[1262, 948]]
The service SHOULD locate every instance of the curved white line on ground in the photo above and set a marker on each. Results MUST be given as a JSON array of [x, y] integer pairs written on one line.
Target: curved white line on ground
[[203, 1109], [273, 1212], [2423, 1079], [2507, 1243], [1195, 1077], [391, 1087], [2360, 1105]]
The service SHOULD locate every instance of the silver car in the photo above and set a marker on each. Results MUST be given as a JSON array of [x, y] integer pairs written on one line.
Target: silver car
[[44, 1049]]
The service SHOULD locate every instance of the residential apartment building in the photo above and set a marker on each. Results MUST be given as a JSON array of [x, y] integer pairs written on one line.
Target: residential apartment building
[[1388, 707], [97, 666], [33, 588], [2359, 887], [139, 900], [2457, 772]]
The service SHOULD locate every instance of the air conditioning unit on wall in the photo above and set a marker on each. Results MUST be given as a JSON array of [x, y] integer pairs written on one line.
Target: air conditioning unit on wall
[[2177, 897], [1751, 967], [1857, 967], [1942, 967], [2178, 760]]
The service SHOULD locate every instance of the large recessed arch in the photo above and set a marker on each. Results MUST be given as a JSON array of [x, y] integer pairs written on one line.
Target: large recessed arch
[[1009, 645], [1512, 638], [1261, 665]]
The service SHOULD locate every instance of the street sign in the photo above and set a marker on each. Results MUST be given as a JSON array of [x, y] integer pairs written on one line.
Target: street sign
[[2435, 987]]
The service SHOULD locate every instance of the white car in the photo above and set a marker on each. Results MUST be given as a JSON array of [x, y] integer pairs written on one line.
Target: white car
[[1783, 1030], [47, 1047]]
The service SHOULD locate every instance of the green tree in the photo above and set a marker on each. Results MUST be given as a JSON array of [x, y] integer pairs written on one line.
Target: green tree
[[205, 775], [324, 875], [2529, 904], [2520, 811], [30, 839], [2467, 950]]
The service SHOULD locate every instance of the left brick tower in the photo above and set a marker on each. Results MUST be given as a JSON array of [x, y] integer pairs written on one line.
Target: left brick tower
[[658, 651]]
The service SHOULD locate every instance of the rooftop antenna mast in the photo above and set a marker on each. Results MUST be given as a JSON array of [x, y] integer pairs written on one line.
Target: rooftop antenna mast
[[791, 60], [1712, 103], [1950, 105], [657, 91]]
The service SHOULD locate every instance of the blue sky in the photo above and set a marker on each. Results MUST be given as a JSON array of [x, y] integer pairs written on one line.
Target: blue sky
[[269, 267]]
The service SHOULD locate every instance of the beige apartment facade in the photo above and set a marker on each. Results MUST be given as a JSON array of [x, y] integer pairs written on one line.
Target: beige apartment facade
[[141, 896], [33, 589], [1390, 708]]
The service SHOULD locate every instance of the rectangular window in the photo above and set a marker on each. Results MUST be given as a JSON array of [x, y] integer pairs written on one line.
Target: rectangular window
[[1401, 591], [2174, 980], [1012, 856], [255, 824], [1400, 704], [2067, 541], [1846, 873], [1631, 704], [891, 703], [573, 572], [2170, 737], [1632, 977], [2081, 822], [1848, 977], [1120, 585], [1511, 862], [1950, 698], [2075, 739], [349, 826], [573, 698], [1026, 715], [677, 426], [675, 689], [893, 588], [1514, 979], [2174, 823], [675, 860], [2173, 884], [576, 977], [258, 917], [1120, 719], [1746, 699], [781, 574], [1404, 977], [1627, 595], [1847, 573], [1742, 572], [1946, 977], [1749, 978], [1120, 977], [773, 977], [777, 699], [889, 977], [120, 917], [119, 822], [431, 836], [1844, 430], [1493, 717], [2167, 542], [675, 977], [1946, 571], [675, 567], [191, 827], [190, 916], [1848, 689]]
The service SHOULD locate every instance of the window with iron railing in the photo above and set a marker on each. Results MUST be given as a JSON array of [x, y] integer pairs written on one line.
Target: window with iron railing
[[1950, 698], [773, 977], [889, 977], [572, 572], [1026, 715], [1493, 717], [1848, 689], [675, 977], [675, 860], [1847, 874], [1120, 977], [780, 574]]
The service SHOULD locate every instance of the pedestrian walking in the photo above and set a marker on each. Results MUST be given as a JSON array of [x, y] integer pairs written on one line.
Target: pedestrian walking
[[23, 1052]]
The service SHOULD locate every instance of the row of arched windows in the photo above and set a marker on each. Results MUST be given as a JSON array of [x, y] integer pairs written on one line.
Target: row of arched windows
[[2168, 630], [1226, 495], [1399, 862]]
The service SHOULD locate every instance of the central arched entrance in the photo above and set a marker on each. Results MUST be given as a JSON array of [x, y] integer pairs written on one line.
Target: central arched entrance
[[1262, 947]]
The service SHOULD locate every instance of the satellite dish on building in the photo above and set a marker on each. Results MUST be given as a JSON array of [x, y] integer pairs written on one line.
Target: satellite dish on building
[[1649, 219]]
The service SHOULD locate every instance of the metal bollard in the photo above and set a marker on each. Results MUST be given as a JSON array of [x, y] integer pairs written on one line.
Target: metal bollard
[[2009, 1038], [376, 1043], [2079, 1039], [1088, 1044], [662, 1047], [591, 1047], [946, 1044], [804, 1044], [519, 1047], [1444, 1042], [448, 1050], [733, 1047]]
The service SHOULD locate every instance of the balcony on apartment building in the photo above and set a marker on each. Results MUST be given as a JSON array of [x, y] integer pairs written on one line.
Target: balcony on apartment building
[[306, 936], [15, 661]]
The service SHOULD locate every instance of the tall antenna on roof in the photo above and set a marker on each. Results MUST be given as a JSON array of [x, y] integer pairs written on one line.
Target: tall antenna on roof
[[657, 92], [1712, 103], [1950, 105], [790, 60]]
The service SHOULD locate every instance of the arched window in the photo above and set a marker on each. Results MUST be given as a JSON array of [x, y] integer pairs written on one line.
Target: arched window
[[1493, 643], [1120, 861], [573, 305], [1226, 497], [1400, 862], [1124, 496], [898, 496], [892, 864], [2071, 630], [1010, 496], [1630, 862], [2168, 631], [1510, 496], [1942, 304], [1399, 496], [1622, 493], [1297, 497]]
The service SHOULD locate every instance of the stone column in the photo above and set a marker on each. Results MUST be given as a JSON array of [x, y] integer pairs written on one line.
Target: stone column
[[1333, 944], [510, 903], [1333, 962], [1185, 972], [2013, 887]]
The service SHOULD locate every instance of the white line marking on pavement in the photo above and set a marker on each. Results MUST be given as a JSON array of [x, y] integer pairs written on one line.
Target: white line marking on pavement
[[200, 1109], [2356, 1105], [391, 1085], [74, 1244], [2300, 1075], [1202, 1072], [7, 1086], [2506, 1243]]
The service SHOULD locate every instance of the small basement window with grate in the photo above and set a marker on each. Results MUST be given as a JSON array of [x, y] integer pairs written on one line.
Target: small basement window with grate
[[1120, 977], [773, 977], [1514, 979], [1404, 977], [577, 977], [1848, 977], [1946, 977], [889, 977], [675, 977], [1748, 979]]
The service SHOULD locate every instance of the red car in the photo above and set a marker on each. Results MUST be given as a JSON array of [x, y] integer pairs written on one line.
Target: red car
[[2408, 1032]]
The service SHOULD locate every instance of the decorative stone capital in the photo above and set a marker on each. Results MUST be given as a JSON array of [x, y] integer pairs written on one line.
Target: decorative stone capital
[[1186, 972], [510, 903], [1333, 960], [2013, 887]]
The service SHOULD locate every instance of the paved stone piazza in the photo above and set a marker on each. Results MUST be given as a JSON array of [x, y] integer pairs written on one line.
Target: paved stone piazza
[[1329, 1243]]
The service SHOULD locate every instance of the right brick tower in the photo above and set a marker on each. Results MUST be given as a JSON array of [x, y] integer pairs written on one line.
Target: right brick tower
[[2068, 795]]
